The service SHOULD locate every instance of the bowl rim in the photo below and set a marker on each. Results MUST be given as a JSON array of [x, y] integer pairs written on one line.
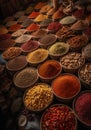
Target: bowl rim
[[73, 105], [69, 98], [52, 76], [33, 86]]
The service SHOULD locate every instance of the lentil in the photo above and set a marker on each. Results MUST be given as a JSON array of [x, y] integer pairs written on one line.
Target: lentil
[[38, 97]]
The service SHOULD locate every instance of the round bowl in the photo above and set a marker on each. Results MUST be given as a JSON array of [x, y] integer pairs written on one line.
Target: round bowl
[[85, 76], [38, 56], [58, 49], [25, 78], [82, 108], [54, 117], [66, 87], [72, 61], [49, 70], [39, 97]]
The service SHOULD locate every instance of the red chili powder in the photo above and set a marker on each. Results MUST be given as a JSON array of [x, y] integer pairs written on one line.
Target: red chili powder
[[66, 86], [79, 13], [33, 14], [30, 45], [49, 69], [54, 26], [58, 117], [83, 107], [33, 27]]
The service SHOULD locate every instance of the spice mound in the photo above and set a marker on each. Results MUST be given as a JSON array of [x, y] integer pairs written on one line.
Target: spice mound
[[11, 52], [39, 33], [49, 69], [88, 32], [85, 73], [64, 33], [86, 52], [77, 42], [15, 27], [29, 46], [79, 13], [47, 39], [27, 22], [59, 49], [39, 5], [58, 14], [37, 56], [45, 8], [72, 60], [66, 86], [33, 15], [83, 108], [38, 97], [33, 27], [40, 18], [58, 117], [5, 36], [45, 22], [26, 77], [4, 44], [68, 20], [17, 63], [19, 33], [54, 26]]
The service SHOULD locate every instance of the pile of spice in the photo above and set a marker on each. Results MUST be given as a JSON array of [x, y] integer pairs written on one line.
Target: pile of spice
[[4, 44], [54, 26], [87, 32], [30, 46], [49, 69], [18, 14], [86, 52], [66, 86], [58, 49], [82, 108], [33, 15], [10, 23], [17, 63], [26, 77], [29, 10], [33, 27], [47, 40], [37, 56], [39, 33], [58, 15], [11, 52], [26, 22], [14, 27], [51, 12], [38, 97], [68, 20], [85, 73], [19, 32], [21, 19], [58, 117], [39, 5], [64, 33], [88, 18], [72, 60], [23, 38], [5, 36], [45, 22], [3, 30], [79, 13], [9, 18], [77, 42], [80, 25], [40, 18], [45, 8]]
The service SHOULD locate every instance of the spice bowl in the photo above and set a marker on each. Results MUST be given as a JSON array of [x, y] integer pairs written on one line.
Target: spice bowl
[[49, 70], [72, 61], [85, 76], [25, 78], [66, 87], [58, 49], [38, 97], [82, 108], [54, 118]]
